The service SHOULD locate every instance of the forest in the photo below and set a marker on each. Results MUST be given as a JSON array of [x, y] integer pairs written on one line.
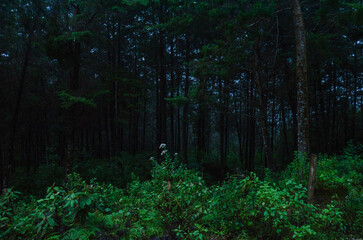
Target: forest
[[180, 119]]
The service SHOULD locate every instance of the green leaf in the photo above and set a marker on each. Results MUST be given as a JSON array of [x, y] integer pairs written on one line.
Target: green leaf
[[69, 100], [88, 201], [51, 221]]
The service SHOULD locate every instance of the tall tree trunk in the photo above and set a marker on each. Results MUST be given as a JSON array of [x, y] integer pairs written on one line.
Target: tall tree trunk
[[201, 141], [222, 131], [318, 129], [115, 133], [238, 122], [163, 90], [291, 101], [292, 104], [324, 119], [262, 116], [161, 110], [247, 129], [284, 129], [273, 117], [158, 114], [172, 90], [185, 123], [328, 127], [355, 74], [252, 144], [346, 106], [144, 123], [335, 130], [116, 122], [109, 131], [1, 166], [99, 123], [135, 130], [178, 128], [226, 135], [73, 86], [9, 158], [302, 80]]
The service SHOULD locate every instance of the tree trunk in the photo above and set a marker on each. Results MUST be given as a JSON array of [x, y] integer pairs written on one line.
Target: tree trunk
[[238, 122], [172, 90], [247, 129], [144, 123], [1, 166], [302, 80], [262, 116], [312, 174], [334, 128], [186, 104], [163, 90], [9, 158], [161, 131], [222, 131], [109, 132], [273, 116], [201, 116], [71, 113], [355, 74], [252, 144], [178, 128], [284, 129]]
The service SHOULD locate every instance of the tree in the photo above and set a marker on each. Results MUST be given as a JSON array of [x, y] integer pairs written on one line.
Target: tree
[[27, 27], [302, 80]]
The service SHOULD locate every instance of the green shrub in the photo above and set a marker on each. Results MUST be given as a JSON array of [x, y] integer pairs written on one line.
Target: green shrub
[[176, 202]]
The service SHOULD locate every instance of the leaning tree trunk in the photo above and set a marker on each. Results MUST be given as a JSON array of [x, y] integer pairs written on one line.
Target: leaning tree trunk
[[302, 81]]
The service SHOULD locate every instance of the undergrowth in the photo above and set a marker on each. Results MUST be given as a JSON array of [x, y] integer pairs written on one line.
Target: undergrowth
[[176, 202]]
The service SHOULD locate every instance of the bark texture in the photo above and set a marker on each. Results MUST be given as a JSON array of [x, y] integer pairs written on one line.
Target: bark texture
[[302, 80], [312, 175]]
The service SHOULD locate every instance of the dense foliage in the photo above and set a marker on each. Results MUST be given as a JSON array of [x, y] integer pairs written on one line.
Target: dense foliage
[[176, 202]]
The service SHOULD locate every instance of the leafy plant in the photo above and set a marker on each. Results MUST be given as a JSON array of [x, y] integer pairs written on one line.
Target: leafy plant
[[176, 202]]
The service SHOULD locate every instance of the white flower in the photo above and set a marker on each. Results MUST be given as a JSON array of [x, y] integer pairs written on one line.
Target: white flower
[[164, 152], [175, 154], [163, 145], [151, 159]]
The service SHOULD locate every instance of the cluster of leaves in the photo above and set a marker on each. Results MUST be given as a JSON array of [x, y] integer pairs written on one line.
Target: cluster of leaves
[[297, 170], [69, 100], [341, 172], [76, 211], [340, 179], [176, 202]]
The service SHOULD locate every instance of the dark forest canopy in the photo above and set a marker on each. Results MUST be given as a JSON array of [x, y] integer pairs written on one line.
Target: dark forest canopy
[[214, 80]]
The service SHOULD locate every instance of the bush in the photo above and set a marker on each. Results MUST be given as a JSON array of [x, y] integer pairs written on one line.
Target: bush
[[176, 202]]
